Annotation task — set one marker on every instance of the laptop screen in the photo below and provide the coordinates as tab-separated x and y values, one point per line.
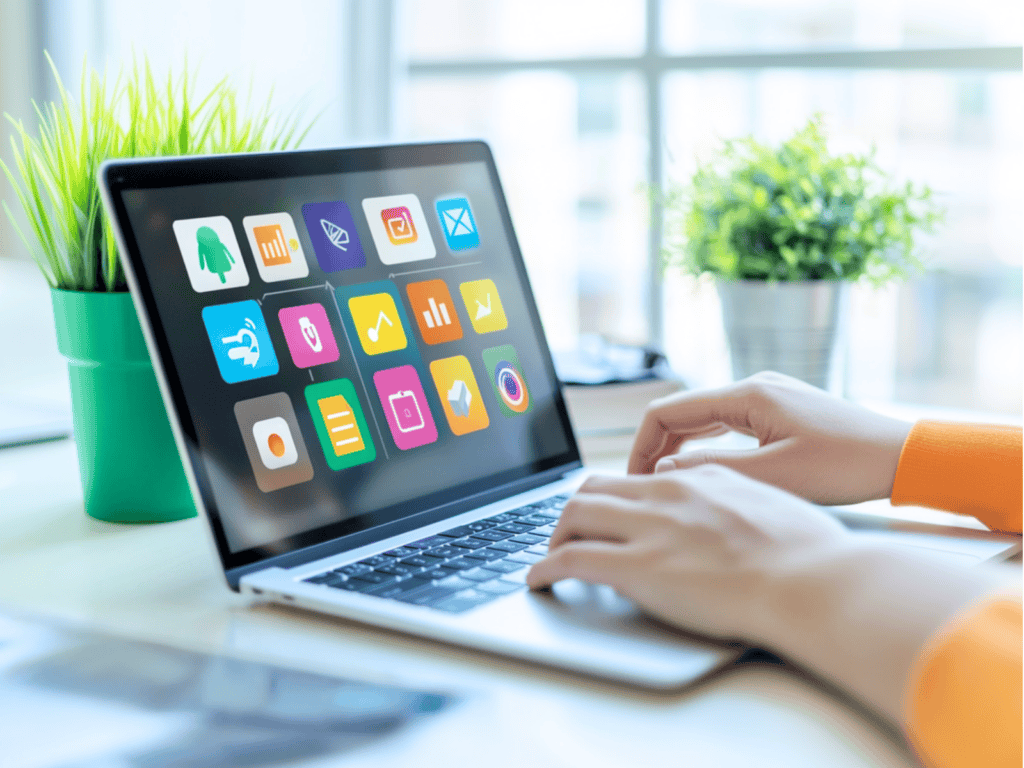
349	336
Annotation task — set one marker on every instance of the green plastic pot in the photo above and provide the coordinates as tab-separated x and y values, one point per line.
131	471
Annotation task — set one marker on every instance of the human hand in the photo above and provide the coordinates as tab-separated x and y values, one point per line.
823	448
709	550
697	548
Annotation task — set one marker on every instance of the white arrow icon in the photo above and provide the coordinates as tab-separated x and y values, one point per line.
481	310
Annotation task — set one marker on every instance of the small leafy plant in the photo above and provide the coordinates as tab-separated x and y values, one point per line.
54	174
796	212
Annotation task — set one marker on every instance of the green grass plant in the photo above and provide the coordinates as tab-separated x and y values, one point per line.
796	212
54	172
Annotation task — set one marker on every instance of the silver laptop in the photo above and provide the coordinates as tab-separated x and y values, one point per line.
363	398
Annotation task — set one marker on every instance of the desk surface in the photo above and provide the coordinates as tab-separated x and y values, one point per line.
163	582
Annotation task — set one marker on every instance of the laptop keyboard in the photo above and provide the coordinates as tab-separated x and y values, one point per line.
460	568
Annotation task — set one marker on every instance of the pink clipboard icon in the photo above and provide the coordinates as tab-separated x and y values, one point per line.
406	410
405	407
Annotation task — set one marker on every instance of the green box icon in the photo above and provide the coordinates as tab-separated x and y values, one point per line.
340	424
507	379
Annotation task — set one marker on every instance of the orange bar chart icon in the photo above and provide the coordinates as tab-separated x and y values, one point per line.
272	244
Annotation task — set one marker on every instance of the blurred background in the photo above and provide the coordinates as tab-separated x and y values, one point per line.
587	102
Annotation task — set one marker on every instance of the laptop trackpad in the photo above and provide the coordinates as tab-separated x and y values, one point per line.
593	601
592	628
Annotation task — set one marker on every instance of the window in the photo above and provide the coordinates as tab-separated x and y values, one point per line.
588	102
573	117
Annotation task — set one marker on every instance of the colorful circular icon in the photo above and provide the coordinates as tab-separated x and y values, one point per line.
511	386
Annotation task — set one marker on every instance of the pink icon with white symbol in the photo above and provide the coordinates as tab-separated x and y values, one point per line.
405	407
308	333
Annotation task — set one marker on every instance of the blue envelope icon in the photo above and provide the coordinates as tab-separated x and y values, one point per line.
458	223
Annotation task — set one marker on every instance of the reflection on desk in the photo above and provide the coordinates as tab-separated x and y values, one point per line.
73	699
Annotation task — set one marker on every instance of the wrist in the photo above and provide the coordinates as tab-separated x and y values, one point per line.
859	614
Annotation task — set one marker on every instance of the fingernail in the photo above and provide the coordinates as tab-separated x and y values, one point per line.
664	465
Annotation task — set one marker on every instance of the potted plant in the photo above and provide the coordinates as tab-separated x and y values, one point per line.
130	468
783	230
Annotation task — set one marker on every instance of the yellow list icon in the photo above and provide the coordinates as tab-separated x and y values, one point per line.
340	420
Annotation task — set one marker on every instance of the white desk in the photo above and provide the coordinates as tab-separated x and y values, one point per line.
163	583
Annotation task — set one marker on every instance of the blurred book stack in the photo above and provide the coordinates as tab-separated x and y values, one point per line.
607	388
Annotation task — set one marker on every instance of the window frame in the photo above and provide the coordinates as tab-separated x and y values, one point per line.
652	65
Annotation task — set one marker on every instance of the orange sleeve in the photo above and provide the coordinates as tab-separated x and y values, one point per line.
972	469
963	708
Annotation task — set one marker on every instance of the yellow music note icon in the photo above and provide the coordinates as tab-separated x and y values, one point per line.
377	322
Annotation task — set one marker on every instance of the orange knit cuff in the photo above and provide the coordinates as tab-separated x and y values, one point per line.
963	707
972	469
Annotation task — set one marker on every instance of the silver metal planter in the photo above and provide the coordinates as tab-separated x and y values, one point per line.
792	328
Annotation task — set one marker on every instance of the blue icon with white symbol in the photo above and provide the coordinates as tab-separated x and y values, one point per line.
240	341
458	223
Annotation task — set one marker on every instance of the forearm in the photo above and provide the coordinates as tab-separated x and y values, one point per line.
840	613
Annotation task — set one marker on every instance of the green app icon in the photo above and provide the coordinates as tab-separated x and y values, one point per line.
340	424
507	380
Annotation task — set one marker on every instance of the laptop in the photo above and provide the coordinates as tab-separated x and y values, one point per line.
364	401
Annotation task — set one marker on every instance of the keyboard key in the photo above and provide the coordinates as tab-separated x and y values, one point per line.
430	542
503	566
480	525
544	530
374	560
397	569
469	543
428	595
551	508
506	546
435	575
464	601
528	538
504	517
491	535
459	532
539	549
422	561
516	527
374	578
354	570
499	587
495	554
553	505
479	574
455	582
538	518
445	553
460	564
394	589
481	554
524	557
350	585
401	552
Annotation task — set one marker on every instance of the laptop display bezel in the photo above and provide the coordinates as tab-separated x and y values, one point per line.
117	177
